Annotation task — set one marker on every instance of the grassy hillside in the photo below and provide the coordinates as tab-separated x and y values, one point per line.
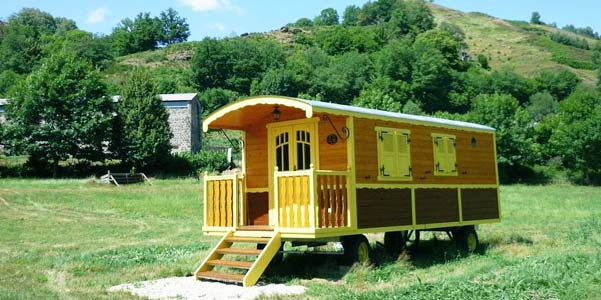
73	239
522	46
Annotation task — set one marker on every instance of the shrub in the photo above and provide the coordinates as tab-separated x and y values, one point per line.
192	164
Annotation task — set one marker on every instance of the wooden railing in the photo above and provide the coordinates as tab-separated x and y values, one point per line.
223	200
294	198
311	198
332	199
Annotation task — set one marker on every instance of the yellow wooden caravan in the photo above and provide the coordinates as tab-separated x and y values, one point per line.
313	171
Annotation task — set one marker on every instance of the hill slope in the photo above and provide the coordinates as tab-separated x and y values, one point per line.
524	47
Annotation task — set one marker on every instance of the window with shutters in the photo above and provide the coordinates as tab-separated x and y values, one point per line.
445	158
394	154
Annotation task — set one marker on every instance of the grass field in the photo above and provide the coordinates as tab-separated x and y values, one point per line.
72	239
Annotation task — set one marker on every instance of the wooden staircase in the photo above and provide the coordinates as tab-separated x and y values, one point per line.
229	245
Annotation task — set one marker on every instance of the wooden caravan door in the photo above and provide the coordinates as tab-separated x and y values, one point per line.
292	147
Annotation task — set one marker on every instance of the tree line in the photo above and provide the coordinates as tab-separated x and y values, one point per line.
386	54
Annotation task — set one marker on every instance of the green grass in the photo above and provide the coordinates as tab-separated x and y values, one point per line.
73	239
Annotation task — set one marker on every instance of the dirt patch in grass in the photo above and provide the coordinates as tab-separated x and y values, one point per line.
190	288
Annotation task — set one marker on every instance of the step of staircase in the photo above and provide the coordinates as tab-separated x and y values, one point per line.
242	239
231	263
259	258
238	251
220	276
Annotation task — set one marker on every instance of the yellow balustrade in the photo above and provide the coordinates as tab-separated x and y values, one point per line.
311	198
223	200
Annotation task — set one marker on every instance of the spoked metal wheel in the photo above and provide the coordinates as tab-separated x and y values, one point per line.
356	249
467	238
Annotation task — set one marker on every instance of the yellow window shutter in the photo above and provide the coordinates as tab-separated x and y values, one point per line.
388	164
403	154
451	157
439	154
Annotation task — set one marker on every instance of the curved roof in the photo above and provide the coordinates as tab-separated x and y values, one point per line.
311	106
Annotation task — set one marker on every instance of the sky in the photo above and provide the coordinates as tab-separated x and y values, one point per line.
220	18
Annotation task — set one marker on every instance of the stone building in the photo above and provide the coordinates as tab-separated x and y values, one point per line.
184	120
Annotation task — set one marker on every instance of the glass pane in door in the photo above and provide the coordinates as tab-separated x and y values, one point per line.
303	150
282	151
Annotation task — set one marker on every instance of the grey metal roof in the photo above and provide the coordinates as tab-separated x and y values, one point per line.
3	101
387	114
178	97
168	97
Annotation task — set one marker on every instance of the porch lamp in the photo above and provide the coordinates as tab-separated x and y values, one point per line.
276	113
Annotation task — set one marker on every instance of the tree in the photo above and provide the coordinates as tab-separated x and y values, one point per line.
214	98
64	25
175	29
374	12
577	135
559	84
276	82
61	110
95	49
541	105
22	39
303	22
507	81
483	61
412	108
431	79
234	64
327	17
145	136
444	42
8	79
350	17
395	60
141	34
377	99
535	18
340	40
515	147
411	17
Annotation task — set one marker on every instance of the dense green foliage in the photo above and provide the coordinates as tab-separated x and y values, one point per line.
61	110
385	54
142	128
587	31
327	17
568	40
577	137
21	46
146	32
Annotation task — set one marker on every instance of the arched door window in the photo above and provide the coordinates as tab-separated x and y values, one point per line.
303	150
282	151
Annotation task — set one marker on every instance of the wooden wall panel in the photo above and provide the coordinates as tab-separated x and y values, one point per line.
383	207
332	157
436	206
479	204
474	165
256	156
257	208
